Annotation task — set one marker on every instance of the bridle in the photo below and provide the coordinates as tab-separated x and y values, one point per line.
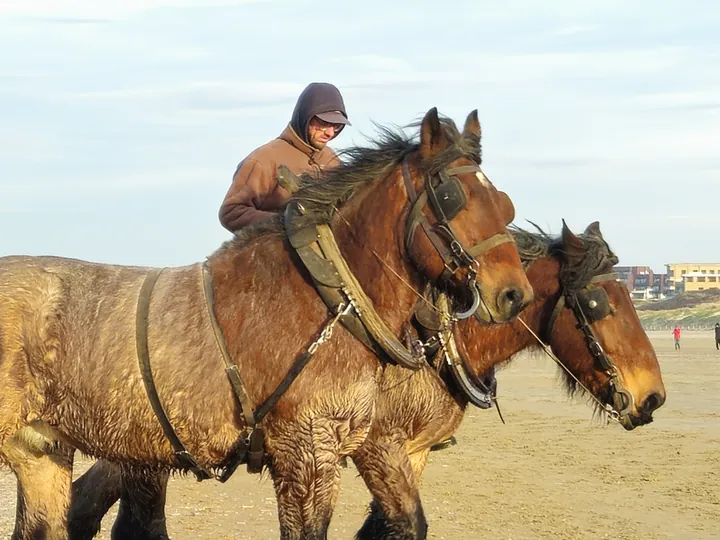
590	304
446	196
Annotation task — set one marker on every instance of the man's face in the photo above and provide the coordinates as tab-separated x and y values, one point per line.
320	132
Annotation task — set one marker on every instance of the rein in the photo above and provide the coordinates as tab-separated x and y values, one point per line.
598	307
439	326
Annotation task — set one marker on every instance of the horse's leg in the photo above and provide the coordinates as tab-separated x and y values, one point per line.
141	515
44	476
93	494
305	467
396	510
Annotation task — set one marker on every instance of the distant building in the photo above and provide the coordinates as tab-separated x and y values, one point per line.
642	282
685	277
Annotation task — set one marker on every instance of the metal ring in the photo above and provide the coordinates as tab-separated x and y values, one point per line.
476	303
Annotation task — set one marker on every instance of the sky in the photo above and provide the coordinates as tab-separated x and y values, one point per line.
121	123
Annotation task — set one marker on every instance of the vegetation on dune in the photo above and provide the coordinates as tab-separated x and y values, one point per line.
692	310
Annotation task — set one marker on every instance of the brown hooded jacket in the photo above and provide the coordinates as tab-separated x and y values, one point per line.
255	193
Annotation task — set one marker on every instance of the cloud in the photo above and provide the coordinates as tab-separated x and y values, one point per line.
699	100
69	10
240	90
166	98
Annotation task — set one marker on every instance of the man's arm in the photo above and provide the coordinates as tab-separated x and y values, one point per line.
250	187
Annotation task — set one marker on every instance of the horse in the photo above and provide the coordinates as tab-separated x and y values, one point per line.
418	411
301	312
581	310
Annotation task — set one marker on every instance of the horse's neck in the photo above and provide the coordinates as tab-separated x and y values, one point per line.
369	233
492	345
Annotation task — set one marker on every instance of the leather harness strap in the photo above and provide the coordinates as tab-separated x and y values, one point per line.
231	369
141	334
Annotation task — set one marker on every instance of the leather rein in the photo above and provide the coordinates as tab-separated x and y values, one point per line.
443	335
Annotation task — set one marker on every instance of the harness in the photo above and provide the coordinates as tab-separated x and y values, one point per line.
342	293
591	304
447	199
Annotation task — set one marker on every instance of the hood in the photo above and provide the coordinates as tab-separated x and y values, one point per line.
317	98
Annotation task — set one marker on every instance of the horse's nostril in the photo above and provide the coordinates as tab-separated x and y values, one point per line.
515	300
653	402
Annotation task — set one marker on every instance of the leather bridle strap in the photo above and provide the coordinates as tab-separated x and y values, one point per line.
492	242
441	235
611	276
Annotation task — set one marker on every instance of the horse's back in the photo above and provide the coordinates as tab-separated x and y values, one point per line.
69	328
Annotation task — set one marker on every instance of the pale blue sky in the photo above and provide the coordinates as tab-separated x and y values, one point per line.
121	123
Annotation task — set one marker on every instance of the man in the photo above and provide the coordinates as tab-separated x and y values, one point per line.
319	116
717	335
676	336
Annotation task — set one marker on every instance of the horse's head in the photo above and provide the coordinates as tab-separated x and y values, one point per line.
594	330
456	229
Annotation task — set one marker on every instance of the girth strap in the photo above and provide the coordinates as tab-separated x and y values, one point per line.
231	369
141	334
252	446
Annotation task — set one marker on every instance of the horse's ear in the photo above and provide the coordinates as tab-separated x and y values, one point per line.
433	137
472	126
507	208
573	247
593	229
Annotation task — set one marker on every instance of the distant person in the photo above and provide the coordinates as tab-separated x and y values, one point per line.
676	336
717	335
319	116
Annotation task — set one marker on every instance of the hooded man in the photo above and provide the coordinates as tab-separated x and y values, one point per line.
255	194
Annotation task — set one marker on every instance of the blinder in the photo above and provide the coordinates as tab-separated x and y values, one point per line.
447	199
594	302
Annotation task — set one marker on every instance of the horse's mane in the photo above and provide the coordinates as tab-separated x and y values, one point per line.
321	194
598	257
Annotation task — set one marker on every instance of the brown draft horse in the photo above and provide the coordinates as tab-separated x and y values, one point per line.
578	304
417	410
69	351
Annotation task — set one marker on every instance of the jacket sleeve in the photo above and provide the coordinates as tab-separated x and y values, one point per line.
251	185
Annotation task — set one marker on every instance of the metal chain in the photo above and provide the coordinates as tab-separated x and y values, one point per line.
327	331
611	412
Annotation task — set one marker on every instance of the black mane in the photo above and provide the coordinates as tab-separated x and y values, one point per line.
598	258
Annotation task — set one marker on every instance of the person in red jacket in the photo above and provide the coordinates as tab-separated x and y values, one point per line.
676	336
318	118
